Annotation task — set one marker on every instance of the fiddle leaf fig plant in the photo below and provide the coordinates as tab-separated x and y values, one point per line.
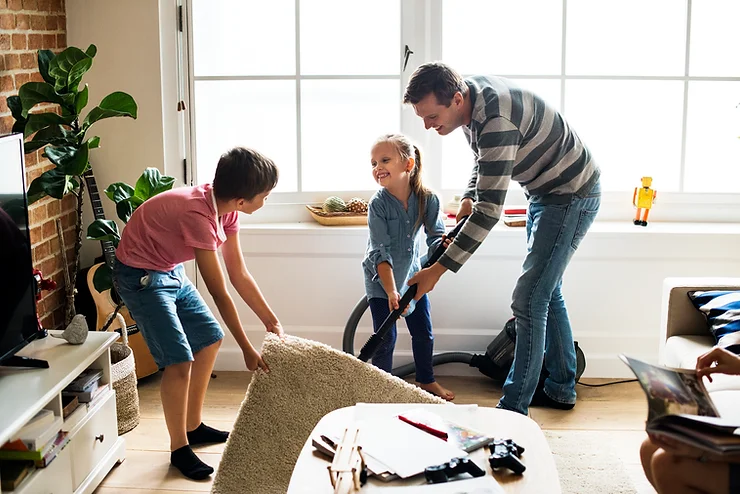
60	128
126	199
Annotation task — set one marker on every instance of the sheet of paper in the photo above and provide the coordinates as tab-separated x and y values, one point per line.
480	485
406	450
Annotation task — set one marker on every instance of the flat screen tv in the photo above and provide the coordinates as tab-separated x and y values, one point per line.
18	321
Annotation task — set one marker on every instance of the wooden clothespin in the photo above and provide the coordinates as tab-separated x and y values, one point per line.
347	471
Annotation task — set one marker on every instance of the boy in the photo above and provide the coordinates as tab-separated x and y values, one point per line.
183	336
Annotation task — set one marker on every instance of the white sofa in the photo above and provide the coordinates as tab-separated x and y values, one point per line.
685	336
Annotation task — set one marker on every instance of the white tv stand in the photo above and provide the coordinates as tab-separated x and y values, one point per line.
94	446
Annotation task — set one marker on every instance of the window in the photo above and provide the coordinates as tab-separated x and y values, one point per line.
651	86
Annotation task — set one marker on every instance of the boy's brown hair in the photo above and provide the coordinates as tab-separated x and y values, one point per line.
242	173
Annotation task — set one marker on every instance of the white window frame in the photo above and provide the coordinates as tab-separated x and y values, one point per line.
421	23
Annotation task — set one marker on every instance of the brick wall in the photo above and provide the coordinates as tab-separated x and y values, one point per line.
25	27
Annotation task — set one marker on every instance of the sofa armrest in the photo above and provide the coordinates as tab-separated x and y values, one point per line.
678	315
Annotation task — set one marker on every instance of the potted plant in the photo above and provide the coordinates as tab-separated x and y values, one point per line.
63	132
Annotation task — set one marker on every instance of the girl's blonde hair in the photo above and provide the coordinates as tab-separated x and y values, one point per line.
406	149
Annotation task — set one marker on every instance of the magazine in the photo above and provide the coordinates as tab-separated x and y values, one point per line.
680	408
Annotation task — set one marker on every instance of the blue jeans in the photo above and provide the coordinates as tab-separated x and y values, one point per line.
419	323
554	232
173	318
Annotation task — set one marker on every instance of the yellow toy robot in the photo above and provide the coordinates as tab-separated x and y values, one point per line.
643	199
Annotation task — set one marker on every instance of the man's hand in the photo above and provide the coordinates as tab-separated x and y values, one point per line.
426	279
276	328
254	360
717	360
465	209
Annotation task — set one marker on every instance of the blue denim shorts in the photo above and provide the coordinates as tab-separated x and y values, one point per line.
172	316
734	477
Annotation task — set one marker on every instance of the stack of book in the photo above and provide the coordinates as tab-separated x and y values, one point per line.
515	217
36	444
85	387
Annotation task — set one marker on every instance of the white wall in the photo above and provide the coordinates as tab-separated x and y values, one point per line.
312	278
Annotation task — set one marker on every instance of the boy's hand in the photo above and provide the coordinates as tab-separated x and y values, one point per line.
717	360
276	328
253	359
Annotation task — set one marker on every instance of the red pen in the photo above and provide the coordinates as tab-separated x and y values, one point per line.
431	430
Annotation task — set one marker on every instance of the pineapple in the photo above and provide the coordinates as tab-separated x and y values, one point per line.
357	206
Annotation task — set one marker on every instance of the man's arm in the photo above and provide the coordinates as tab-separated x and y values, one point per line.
246	286
498	144
213	276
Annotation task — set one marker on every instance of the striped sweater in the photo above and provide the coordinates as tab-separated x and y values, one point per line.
516	136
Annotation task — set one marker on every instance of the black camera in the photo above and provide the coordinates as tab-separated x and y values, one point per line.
505	453
443	473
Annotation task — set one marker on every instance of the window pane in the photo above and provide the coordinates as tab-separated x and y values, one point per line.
340	122
255	114
632	128
626	37
713	137
457	158
715	38
502	36
237	37
362	38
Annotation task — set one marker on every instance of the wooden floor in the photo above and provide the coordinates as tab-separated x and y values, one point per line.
618	409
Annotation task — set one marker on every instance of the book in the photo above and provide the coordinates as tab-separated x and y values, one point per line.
12	473
680	408
456	434
43	417
34	439
85	380
53	450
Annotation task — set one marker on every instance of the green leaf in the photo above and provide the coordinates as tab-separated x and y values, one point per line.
52	183
104	230
45	57
103	278
19	126
38	121
119	191
16	107
69	159
151	183
91	51
93	142
54	134
33	93
77	72
81	100
116	104
62	68
125	209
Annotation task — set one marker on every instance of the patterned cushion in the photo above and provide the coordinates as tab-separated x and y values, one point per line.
722	310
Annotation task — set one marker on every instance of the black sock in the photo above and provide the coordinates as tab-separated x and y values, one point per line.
204	434
540	399
189	464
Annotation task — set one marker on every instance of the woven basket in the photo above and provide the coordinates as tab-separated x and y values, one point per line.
336	219
123	378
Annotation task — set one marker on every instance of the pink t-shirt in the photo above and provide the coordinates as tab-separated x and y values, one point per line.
164	231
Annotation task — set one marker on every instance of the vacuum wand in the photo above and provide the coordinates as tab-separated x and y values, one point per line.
373	343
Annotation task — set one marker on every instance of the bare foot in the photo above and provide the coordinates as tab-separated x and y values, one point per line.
436	389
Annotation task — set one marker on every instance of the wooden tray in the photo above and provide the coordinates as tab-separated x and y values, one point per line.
336	219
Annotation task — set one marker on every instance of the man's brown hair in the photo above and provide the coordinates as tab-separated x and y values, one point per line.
437	78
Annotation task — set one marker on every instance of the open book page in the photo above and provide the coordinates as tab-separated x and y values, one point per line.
710	434
671	391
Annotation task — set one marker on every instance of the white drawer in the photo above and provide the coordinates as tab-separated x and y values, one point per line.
94	439
54	479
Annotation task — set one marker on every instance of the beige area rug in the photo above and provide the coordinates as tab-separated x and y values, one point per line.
281	409
586	463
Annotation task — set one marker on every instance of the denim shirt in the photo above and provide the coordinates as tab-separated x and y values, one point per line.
393	239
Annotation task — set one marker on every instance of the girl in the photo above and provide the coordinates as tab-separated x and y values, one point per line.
395	216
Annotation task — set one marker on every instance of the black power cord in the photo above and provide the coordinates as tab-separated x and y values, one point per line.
607	384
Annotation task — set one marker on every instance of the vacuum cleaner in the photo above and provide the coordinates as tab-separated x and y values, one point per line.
495	363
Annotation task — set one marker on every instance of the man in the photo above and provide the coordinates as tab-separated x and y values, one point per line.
515	135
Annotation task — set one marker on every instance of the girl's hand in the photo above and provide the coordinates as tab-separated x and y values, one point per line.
717	360
253	359
394	298
446	241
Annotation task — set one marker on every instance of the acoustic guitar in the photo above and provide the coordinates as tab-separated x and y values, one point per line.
107	301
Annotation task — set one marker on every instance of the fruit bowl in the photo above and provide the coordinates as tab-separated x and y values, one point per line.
336	219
